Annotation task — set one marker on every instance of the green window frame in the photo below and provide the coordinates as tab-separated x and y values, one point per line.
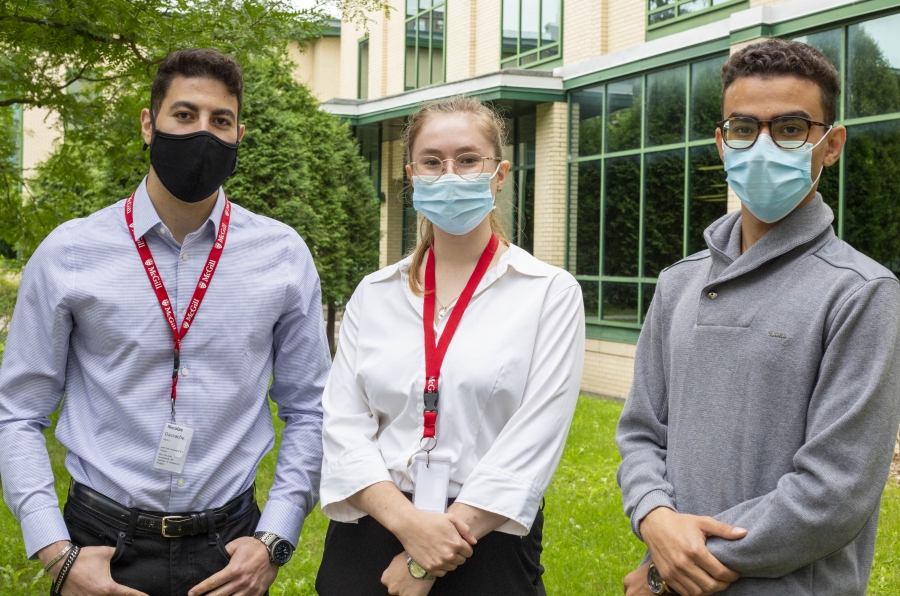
425	62
362	70
862	188
662	13
602	162
520	46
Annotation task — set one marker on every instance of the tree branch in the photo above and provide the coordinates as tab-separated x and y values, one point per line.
19	100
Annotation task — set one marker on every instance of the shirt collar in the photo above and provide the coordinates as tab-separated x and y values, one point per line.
146	217
800	227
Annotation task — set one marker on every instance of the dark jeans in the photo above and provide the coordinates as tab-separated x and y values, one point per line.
501	564
152	563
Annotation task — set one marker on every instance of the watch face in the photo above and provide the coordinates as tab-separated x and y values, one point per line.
417	570
654	580
282	551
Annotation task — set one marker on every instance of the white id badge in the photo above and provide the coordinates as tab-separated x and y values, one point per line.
432	485
173	447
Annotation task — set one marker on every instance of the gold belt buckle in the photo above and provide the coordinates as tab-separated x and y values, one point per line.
167	518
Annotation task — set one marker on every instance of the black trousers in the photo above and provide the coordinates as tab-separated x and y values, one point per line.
501	564
152	563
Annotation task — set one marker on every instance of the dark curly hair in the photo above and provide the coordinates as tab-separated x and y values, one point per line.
199	62
783	57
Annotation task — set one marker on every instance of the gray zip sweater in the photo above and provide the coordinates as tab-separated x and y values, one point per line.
766	394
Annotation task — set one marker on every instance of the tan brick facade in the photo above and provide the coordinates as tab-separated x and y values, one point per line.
608	368
628	23
550	183
585	30
391	247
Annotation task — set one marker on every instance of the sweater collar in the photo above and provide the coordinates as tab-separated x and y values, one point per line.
800	227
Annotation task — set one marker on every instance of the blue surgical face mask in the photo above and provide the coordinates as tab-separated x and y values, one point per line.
454	204
771	181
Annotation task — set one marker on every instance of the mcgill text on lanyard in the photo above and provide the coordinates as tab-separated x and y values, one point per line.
432	478
176	438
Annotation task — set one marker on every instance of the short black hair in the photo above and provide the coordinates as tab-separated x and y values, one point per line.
197	62
784	57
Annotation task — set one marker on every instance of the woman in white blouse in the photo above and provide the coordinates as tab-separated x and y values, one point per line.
499	406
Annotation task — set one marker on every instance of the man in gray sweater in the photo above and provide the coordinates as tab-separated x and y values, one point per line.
759	430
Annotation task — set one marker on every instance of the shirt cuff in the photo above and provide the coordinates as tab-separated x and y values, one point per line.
652	500
502	493
282	518
41	528
346	477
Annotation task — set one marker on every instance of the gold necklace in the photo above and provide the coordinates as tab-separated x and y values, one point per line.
443	309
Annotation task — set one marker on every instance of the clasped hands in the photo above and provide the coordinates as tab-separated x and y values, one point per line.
677	544
438	542
249	573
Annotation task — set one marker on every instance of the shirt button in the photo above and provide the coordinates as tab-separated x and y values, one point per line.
184	257
713	295
184	371
181	482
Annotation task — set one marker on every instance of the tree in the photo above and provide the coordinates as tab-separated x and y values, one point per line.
300	165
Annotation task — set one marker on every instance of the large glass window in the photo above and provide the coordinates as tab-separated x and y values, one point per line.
864	186
362	83
645	180
531	32
424	43
663	12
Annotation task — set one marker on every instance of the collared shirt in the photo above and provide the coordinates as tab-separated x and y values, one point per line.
88	325
508	389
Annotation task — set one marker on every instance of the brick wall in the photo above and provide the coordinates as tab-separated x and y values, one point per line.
608	368
487	36
627	24
585	30
461	39
350	36
550	183
318	66
391	246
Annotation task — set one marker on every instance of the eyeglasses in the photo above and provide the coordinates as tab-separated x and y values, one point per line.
788	132
468	166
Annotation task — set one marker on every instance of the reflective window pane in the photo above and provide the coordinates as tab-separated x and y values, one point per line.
585	187
666	106
363	73
531	17
829	188
827	42
410	81
510	28
622	216
873	75
663	210
872	211
549	21
623	115
647	291
525	137
412	7
437	46
525	212
590	293
706	94
422	62
587	111
708	198
620	302
692	6
663	15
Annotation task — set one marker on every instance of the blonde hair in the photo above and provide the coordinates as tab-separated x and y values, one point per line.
492	126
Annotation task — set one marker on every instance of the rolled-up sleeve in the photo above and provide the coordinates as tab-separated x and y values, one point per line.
514	474
352	458
32	382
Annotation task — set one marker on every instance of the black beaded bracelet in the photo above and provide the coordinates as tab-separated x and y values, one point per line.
64	571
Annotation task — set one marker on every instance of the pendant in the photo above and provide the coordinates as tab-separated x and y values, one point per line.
441	313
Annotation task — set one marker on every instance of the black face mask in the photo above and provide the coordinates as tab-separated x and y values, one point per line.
192	166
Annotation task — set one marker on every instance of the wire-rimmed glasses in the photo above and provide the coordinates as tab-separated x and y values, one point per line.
467	166
788	132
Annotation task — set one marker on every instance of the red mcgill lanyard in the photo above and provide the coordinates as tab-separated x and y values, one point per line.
434	354
215	254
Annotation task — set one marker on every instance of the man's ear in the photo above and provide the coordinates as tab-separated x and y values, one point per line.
834	145
409	174
719	141
146	126
240	133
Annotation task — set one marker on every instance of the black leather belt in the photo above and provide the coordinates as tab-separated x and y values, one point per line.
169	525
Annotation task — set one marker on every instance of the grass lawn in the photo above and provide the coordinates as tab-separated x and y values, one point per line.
588	546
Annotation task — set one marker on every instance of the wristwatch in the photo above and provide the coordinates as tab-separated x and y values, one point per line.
656	583
416	570
280	550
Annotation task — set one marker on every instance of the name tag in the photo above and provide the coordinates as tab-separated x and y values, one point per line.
432	485
173	447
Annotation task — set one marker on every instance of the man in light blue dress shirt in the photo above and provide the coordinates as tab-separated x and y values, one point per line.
89	326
